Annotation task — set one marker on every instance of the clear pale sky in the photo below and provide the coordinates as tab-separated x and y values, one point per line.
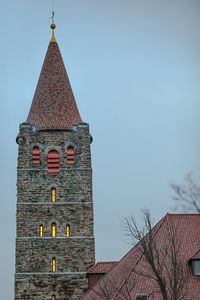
134	66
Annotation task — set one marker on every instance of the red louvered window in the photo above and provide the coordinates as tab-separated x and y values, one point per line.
36	155
53	161
70	155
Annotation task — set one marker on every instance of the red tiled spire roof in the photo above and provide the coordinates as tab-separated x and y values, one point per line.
53	105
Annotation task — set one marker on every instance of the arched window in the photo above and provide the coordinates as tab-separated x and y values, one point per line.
53	161
53	297
53	229
53	194
41	230
53	265
68	230
36	155
70	155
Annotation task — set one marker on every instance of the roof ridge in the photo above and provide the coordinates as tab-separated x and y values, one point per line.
183	214
106	262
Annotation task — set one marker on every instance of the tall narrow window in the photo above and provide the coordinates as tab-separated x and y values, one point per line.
70	155
53	265
36	155
53	297
53	229
53	161
41	230
53	194
68	231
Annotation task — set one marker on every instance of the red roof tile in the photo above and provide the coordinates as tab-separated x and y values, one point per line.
196	255
54	105
102	267
125	273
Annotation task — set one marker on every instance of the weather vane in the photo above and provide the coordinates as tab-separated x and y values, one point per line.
52	18
53	13
53	25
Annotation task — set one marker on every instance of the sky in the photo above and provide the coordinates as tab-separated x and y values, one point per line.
134	66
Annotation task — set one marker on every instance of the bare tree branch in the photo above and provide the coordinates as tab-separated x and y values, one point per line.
158	260
161	262
187	195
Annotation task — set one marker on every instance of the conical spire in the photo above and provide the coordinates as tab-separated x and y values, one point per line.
53	105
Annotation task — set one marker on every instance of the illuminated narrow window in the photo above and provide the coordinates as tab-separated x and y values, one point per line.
53	265
36	155
53	229
68	233
53	194
70	155
53	297
53	161
41	230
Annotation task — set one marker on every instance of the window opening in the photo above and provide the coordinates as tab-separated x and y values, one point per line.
196	267
53	194
53	264
68	233
70	155
53	229
36	155
53	161
41	230
53	297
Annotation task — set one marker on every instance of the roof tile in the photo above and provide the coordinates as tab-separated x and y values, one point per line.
102	267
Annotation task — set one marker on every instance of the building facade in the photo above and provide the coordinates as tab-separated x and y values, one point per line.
54	238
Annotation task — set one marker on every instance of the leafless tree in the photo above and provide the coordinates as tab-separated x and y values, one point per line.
159	260
160	257
187	195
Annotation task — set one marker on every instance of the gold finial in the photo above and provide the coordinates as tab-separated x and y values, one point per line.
53	27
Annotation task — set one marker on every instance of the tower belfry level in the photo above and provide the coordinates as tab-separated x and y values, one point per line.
54	241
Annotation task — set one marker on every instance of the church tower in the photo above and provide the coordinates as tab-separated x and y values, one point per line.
54	239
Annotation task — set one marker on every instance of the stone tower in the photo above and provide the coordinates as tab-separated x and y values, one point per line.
54	242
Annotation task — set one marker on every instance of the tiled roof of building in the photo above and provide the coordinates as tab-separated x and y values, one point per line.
196	255
101	267
53	105
126	274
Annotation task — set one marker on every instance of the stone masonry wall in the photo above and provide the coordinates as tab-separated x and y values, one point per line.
78	215
44	286
74	206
